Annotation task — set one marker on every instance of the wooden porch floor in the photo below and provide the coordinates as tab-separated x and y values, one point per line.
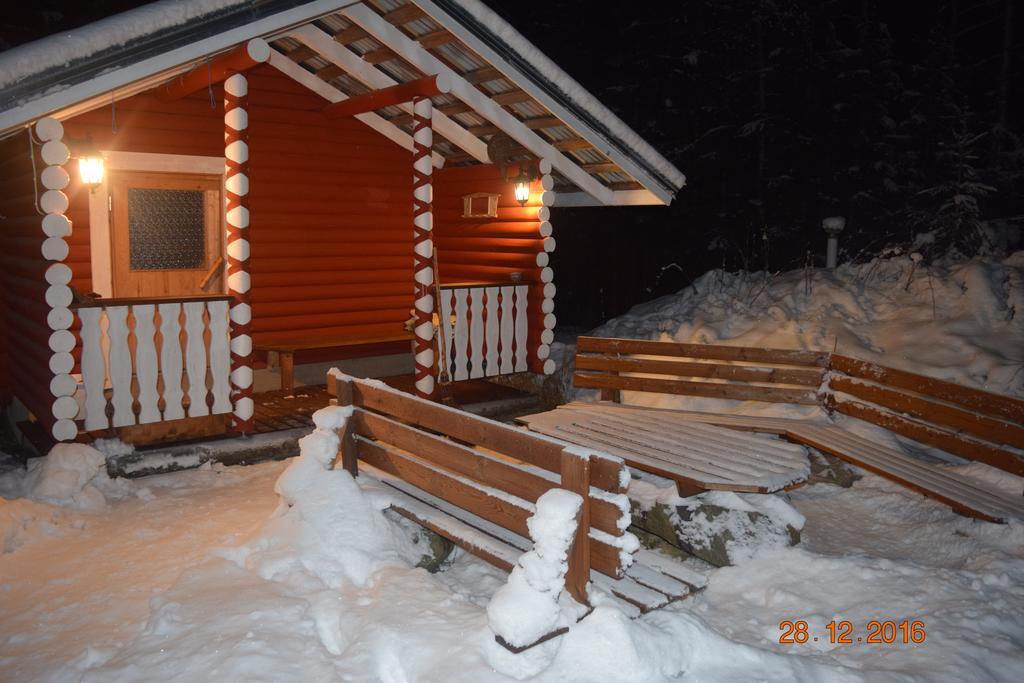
280	409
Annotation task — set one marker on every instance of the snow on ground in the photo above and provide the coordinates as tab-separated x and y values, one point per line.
200	574
288	571
961	322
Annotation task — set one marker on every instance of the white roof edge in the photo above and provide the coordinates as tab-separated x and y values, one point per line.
60	49
570	88
115	79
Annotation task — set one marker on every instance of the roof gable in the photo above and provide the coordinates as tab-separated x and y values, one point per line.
503	84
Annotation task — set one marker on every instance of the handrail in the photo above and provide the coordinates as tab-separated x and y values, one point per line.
138	301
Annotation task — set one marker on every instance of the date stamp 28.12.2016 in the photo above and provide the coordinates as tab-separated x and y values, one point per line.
842	632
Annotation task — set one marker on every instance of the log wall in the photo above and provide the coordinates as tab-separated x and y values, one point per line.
331	223
474	249
24	332
331	204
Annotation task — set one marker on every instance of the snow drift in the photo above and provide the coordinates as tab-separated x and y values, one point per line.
961	322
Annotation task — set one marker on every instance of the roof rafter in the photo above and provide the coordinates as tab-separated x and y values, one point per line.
332	94
415	54
491	53
375	78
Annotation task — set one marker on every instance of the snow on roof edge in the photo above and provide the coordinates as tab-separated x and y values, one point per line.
61	49
571	89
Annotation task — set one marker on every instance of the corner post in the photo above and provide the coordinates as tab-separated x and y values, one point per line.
236	189
423	246
575	471
57	227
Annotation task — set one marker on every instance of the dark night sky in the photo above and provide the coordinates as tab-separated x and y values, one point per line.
780	112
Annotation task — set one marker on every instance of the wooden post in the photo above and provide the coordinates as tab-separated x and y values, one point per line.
428	86
544	321
423	247
236	187
341	387
57	227
576	478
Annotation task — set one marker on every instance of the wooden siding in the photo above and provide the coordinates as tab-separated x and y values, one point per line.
471	249
24	333
331	230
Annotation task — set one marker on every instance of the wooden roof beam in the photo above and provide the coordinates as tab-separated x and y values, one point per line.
414	53
482	75
374	78
332	94
242	58
602	167
435	39
431	86
511	97
378	56
301	54
449	109
572	144
350	35
404	14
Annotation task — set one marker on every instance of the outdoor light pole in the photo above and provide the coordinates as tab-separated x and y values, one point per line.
833	225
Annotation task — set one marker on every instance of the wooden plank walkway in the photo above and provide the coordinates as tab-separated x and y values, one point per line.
934	481
696	456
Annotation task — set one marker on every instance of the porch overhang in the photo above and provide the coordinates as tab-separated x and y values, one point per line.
507	103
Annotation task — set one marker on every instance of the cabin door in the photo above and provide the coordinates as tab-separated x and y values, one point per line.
166	234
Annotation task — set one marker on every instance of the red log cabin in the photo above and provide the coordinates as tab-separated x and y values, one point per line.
191	208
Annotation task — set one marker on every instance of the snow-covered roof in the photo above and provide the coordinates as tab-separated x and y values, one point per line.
504	84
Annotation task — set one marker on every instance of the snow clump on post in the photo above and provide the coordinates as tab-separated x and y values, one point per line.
527	608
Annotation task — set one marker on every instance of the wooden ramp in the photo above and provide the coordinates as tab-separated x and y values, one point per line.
934	481
695	455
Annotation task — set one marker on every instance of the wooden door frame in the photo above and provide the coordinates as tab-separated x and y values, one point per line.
99	206
213	233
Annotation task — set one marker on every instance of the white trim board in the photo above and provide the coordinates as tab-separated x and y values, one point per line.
99	214
97	91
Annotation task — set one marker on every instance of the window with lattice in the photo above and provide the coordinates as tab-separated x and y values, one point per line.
166	229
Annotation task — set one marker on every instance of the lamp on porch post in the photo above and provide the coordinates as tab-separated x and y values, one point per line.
236	191
423	223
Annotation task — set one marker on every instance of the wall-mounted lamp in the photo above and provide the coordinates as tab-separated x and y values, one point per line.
522	190
90	163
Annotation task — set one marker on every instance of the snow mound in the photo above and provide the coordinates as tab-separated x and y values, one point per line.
324	523
74	475
526	608
961	322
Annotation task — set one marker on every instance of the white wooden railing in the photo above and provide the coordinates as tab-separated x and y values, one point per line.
153	360
485	327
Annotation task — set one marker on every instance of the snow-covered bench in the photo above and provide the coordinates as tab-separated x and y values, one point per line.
967	422
475	481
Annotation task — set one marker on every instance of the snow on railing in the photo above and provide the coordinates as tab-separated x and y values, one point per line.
154	360
485	329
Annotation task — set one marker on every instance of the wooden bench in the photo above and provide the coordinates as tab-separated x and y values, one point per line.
963	421
475	481
287	348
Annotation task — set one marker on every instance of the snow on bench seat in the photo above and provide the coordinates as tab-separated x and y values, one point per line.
645	587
